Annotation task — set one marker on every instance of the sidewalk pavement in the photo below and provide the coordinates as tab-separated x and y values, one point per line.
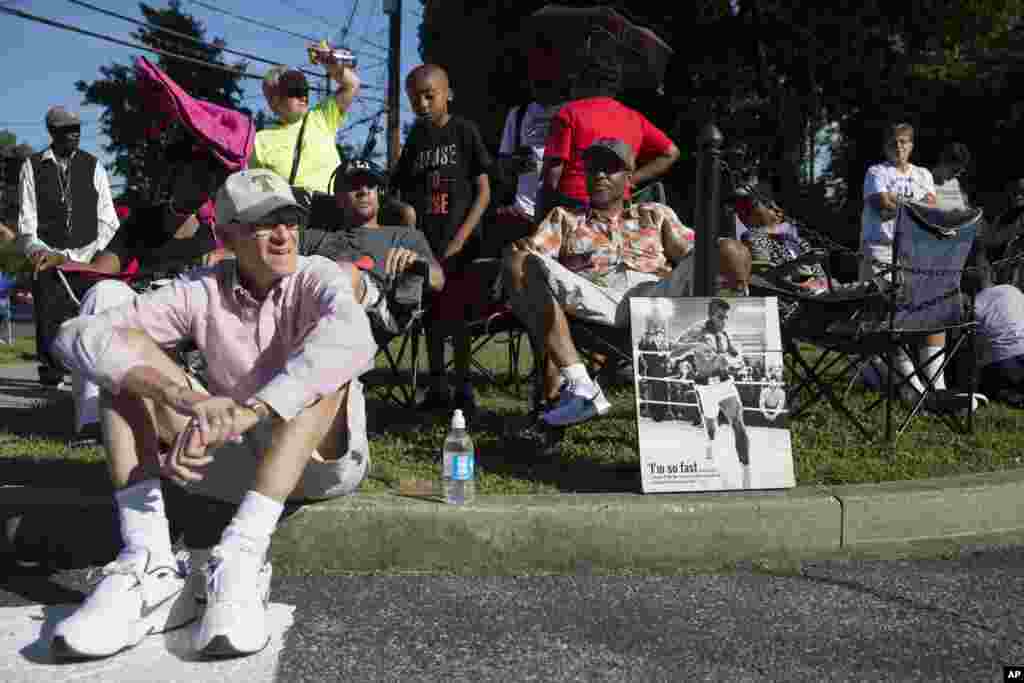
593	532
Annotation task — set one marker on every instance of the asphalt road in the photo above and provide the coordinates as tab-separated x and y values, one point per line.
913	620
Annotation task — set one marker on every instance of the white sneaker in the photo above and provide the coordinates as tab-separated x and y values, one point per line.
137	596
237	592
579	402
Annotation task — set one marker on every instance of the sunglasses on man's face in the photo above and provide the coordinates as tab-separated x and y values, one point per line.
264	231
610	166
66	130
357	182
300	93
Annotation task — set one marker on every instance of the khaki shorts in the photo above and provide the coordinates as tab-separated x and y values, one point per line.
233	469
609	305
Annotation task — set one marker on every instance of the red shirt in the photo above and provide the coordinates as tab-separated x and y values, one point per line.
578	124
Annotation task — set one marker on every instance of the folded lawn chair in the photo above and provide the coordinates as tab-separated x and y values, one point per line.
831	335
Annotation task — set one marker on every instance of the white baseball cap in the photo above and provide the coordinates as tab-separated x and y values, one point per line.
250	195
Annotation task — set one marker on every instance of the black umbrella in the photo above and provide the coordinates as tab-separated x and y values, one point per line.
580	30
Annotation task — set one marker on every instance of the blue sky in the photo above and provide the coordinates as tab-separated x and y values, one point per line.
41	63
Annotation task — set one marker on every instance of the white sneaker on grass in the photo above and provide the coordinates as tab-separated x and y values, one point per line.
237	592
578	402
136	596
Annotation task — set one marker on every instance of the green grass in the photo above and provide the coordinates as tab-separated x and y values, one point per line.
22	350
597	456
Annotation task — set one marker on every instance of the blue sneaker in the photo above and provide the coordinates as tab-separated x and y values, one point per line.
578	402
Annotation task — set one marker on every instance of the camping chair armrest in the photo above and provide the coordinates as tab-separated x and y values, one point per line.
420	267
812	257
651	192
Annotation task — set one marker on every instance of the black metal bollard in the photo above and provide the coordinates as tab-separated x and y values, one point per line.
707	209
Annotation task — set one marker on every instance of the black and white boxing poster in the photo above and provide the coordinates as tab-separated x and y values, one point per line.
711	398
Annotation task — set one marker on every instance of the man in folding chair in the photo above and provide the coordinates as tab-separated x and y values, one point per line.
390	285
587	264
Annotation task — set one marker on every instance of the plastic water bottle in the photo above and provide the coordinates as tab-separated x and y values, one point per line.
458	469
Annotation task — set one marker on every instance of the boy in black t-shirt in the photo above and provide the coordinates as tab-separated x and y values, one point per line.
443	173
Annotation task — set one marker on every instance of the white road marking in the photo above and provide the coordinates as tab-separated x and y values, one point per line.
25	653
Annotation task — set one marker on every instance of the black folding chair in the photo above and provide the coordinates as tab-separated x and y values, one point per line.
392	378
830	337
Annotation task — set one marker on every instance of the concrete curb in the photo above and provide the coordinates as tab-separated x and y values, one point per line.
509	534
606	532
897	512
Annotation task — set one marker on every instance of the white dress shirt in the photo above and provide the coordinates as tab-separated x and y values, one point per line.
28	218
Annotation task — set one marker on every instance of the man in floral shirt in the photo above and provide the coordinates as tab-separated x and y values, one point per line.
587	264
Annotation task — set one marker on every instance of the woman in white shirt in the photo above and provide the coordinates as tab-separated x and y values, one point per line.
886	185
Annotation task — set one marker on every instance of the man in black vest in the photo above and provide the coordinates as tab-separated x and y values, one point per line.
66	214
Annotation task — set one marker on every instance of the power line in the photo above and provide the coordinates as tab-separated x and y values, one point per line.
137	46
214	8
363	121
184	36
373	44
348	26
125	43
40	122
305	12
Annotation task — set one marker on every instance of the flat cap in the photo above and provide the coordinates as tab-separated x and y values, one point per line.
59	117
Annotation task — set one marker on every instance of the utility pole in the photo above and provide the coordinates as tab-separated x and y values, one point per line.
393	8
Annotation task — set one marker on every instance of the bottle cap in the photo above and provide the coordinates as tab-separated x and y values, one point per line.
458	420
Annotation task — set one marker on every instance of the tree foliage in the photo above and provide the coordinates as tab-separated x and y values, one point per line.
771	73
136	154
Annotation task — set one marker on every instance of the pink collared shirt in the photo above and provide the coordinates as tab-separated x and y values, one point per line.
307	339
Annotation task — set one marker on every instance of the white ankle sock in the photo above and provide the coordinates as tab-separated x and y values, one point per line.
931	368
904	368
144	523
577	372
253	524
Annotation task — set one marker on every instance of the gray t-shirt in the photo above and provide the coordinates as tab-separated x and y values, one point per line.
999	311
354	243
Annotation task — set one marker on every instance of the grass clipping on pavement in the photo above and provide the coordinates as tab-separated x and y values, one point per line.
598	456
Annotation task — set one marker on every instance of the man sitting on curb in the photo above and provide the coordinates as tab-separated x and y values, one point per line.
285	343
394	250
587	263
